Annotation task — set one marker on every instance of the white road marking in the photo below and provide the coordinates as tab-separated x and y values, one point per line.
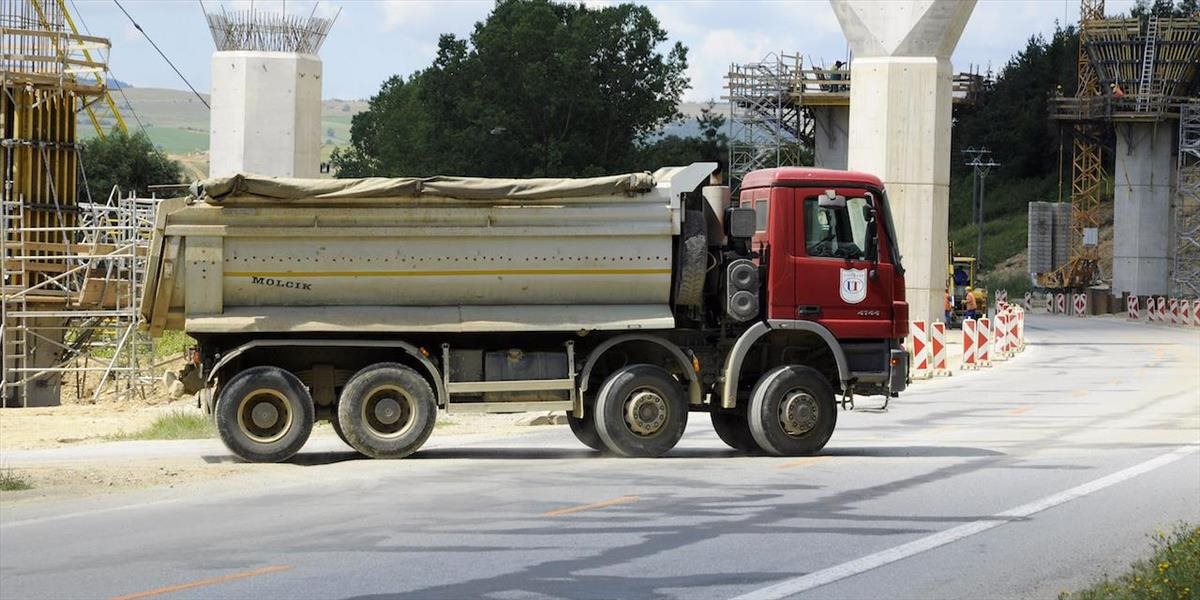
815	579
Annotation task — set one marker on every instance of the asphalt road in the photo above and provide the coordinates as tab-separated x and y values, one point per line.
1021	481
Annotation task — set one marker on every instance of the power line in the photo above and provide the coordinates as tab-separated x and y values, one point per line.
120	88
160	53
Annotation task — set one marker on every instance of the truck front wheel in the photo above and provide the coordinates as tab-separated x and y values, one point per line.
387	410
264	414
640	411
792	411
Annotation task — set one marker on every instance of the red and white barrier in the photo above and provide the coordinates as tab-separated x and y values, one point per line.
937	344
983	342
1173	310
970	343
1060	303
1186	312
999	337
1161	309
1028	301
918	346
1001	296
1196	313
1133	311
1021	331
1080	305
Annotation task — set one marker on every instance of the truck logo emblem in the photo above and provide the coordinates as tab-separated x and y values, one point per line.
853	286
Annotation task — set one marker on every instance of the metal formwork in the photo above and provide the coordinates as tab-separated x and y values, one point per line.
768	125
1185	272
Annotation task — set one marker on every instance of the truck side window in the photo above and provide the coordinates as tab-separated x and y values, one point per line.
836	232
762	209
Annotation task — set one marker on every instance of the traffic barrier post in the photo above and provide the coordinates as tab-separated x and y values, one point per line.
998	336
1173	310
1080	305
1060	303
1185	312
970	343
983	342
1196	313
1028	301
1131	307
918	345
1161	309
937	344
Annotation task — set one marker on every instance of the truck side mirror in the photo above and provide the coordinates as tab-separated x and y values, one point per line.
740	223
830	199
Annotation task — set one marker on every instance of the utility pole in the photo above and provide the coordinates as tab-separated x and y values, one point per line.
980	159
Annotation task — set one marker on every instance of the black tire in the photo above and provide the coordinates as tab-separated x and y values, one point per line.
811	419
665	415
733	429
387	410
585	431
264	414
691	260
337	427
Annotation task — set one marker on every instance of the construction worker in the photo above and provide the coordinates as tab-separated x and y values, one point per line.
970	303
1116	90
949	305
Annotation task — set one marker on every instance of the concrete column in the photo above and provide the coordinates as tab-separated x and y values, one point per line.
266	114
831	136
1142	208
900	109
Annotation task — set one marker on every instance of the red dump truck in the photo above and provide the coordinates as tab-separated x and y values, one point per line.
627	302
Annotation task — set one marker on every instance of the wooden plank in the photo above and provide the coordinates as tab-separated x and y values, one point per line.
165	288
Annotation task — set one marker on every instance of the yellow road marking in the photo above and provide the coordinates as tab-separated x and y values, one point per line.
449	273
1017	411
602	504
800	462
204	582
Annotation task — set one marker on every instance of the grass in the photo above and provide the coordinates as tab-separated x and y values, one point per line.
11	481
1172	573
176	425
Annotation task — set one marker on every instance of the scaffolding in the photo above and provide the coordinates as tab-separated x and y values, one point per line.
1185	272
70	268
768	125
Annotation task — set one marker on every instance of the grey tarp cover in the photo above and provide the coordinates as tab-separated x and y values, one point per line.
219	190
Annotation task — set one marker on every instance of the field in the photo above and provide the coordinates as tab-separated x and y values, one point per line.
177	122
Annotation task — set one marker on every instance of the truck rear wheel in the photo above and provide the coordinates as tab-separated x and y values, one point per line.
387	410
264	414
733	429
640	411
585	431
792	411
337	427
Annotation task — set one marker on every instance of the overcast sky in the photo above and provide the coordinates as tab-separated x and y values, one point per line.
374	40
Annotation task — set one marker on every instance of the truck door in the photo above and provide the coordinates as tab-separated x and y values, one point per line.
837	283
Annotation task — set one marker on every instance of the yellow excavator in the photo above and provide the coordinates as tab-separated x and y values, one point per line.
960	277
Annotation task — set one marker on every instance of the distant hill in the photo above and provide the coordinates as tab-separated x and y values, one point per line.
177	121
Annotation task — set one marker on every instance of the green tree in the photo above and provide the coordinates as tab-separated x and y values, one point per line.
127	161
1165	8
540	89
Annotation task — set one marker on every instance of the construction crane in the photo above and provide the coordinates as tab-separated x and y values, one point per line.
1087	172
106	98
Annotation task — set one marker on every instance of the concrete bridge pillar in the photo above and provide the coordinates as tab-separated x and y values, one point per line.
831	136
1142	208
900	109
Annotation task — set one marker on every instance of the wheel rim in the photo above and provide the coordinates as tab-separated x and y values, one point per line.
645	412
798	413
264	415
389	411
